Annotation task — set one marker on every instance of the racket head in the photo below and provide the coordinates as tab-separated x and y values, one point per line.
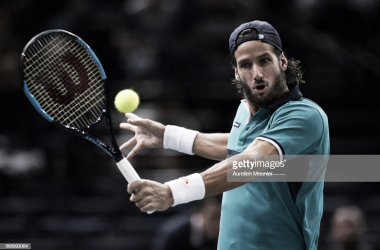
66	83
64	80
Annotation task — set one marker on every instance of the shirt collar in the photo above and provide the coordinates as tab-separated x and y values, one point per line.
246	105
293	95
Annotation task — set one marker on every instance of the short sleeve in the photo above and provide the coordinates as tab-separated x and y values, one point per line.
296	129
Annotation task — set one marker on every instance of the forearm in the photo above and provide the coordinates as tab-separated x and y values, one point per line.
153	196
151	134
211	146
215	179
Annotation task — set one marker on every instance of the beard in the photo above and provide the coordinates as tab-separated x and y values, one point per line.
272	93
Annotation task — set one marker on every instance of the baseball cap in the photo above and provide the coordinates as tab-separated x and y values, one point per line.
266	33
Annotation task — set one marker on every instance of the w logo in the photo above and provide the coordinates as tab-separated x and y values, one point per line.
56	76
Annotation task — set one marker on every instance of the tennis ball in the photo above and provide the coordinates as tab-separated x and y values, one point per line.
127	101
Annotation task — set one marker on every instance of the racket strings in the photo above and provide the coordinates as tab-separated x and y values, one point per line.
72	72
43	69
65	81
36	50
80	117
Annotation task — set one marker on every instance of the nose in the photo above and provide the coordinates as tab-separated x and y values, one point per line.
257	74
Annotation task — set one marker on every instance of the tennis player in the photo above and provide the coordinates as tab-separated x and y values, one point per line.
273	119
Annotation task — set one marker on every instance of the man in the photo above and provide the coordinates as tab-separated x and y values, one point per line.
348	229
197	230
273	119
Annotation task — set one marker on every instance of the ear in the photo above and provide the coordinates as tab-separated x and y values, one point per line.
283	62
237	77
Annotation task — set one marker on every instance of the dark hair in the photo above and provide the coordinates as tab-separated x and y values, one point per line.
293	73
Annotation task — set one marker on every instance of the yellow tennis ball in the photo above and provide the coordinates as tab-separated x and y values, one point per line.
127	101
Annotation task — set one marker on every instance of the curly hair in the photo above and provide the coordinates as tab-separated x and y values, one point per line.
293	73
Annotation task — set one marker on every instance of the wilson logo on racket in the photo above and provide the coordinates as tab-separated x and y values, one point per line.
186	180
48	79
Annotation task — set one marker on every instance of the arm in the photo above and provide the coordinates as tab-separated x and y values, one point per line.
150	134
211	146
215	178
156	196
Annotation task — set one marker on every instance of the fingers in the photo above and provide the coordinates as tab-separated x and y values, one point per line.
135	150
128	126
139	122
150	195
138	190
149	206
128	144
135	185
132	116
134	120
146	204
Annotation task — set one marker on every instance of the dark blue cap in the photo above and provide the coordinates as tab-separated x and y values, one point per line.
266	33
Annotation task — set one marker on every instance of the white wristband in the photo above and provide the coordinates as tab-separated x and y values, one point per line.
180	139
186	189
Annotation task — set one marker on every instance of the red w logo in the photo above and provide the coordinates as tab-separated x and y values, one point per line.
57	70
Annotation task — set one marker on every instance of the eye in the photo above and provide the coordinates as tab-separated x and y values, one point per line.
264	61
245	65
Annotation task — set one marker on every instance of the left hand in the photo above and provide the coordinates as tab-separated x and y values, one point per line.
150	195
148	134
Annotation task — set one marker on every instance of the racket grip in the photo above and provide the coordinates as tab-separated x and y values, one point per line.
129	172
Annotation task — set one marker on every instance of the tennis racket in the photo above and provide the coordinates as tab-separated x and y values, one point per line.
66	84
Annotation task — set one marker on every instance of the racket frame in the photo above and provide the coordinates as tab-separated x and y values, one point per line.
113	151
122	163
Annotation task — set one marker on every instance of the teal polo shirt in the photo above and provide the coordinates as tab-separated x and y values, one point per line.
276	215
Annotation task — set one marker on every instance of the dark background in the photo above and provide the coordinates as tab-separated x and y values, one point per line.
59	191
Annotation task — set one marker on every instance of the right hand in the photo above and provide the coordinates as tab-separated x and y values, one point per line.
148	134
150	195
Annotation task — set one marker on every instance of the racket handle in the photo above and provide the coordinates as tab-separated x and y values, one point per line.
129	172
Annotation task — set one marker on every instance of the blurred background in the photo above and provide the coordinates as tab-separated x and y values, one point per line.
58	191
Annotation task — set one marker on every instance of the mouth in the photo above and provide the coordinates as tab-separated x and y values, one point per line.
260	88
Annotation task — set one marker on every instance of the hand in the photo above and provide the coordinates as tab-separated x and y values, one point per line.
148	134
150	195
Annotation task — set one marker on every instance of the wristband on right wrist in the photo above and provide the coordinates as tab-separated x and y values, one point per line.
187	189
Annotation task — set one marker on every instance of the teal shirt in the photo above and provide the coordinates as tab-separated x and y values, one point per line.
277	215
